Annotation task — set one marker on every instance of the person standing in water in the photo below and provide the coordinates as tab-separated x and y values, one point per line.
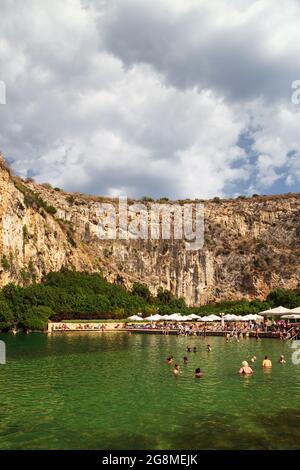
176	370
266	364
245	369
281	360
169	360
198	373
253	359
185	360
209	348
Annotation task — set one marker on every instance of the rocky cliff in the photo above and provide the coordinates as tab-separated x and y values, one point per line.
251	245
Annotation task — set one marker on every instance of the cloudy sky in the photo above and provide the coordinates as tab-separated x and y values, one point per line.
178	98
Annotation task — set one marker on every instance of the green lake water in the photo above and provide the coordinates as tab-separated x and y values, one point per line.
115	391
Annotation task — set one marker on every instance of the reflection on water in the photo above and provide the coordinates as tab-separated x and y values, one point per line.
115	390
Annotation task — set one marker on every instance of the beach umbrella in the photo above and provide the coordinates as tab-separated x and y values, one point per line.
206	319
154	317
240	318
214	317
193	316
252	316
135	318
229	317
295	310
183	318
294	316
166	317
278	311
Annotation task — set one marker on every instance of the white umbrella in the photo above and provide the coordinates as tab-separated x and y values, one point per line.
240	318
252	316
166	317
206	319
154	317
295	310
294	316
193	316
276	311
184	318
135	318
174	316
214	317
229	317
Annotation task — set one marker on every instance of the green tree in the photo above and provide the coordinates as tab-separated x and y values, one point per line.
6	316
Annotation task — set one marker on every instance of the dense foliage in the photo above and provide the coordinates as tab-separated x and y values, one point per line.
69	295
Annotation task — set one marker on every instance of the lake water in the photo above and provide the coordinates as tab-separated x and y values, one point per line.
115	391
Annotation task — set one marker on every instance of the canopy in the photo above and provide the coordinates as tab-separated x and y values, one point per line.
278	311
295	310
206	319
135	318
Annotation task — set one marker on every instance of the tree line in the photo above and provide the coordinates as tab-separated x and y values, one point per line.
68	294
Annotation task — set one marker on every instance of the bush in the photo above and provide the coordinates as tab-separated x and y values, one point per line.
5	263
36	318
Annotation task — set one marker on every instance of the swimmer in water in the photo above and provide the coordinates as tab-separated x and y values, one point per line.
185	360
198	373
188	349
209	349
253	359
266	364
281	360
176	370
245	369
194	349
169	360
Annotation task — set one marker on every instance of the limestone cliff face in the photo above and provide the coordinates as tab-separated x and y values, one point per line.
251	245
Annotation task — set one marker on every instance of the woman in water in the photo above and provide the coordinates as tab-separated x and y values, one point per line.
176	370
198	373
245	369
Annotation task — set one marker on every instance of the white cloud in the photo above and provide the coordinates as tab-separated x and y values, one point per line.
151	98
